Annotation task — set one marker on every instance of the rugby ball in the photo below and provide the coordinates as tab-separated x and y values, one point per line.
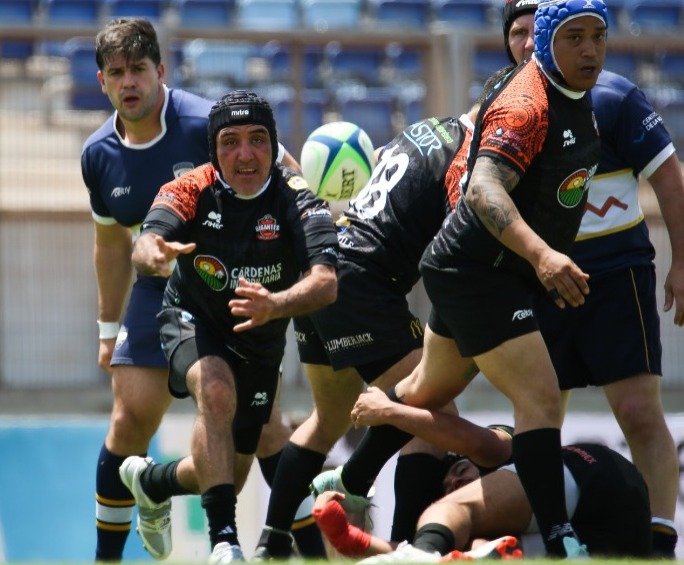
337	160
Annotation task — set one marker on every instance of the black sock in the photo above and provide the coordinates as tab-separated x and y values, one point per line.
417	484
434	537
664	541
298	466
376	447
306	534
219	504
539	463
114	507
268	466
160	481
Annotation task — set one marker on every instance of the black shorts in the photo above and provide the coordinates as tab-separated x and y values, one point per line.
613	336
138	341
185	340
480	308
369	324
613	516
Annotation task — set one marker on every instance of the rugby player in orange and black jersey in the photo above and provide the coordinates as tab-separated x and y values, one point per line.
270	239
552	144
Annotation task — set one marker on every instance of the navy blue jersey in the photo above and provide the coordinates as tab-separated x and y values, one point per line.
548	135
270	239
634	141
412	189
123	180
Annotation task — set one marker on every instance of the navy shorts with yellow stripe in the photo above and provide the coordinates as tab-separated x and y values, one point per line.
138	342
614	335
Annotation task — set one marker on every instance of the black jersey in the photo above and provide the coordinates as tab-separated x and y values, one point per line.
412	189
548	135
270	239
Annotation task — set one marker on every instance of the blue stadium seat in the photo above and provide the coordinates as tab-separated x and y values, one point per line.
372	110
621	62
18	13
655	16
402	13
314	106
65	13
408	63
267	14
150	9
211	68
205	13
85	92
488	61
362	64
72	12
322	15
470	13
671	64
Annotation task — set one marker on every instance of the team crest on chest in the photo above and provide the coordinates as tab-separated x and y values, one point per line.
211	271
267	228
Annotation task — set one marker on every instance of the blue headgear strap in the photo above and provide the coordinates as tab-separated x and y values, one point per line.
550	15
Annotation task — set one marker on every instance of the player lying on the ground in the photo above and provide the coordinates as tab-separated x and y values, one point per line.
606	496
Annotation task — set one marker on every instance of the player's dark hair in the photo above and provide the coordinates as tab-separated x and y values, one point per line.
241	107
132	38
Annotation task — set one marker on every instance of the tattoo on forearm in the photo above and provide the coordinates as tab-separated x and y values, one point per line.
488	195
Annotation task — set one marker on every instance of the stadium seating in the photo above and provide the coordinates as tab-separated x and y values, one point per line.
267	14
85	92
65	13
313	106
470	13
401	13
204	13
373	109
361	64
213	67
488	61
71	12
655	16
17	13
150	9
322	15
621	62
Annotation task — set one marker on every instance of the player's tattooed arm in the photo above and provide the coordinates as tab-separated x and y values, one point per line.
487	194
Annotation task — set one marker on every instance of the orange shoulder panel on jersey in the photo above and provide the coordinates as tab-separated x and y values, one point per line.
182	193
516	123
457	168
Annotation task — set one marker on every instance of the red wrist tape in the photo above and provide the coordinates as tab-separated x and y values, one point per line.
349	540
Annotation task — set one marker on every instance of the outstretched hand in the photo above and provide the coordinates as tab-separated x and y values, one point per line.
154	256
254	302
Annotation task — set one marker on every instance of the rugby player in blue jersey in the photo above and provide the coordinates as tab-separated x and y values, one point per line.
155	135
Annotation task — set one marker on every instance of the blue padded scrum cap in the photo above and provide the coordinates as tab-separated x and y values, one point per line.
550	15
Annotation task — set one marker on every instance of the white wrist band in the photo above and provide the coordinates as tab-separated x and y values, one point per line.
108	330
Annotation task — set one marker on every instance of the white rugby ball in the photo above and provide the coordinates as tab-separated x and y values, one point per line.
337	160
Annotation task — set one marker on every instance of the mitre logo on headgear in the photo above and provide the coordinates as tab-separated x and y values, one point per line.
241	113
